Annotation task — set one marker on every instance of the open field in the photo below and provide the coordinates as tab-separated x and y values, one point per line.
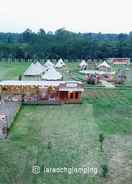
73	131
11	71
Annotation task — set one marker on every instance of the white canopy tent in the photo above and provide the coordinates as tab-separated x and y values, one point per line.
104	67
49	64
52	74
60	63
34	71
83	65
104	64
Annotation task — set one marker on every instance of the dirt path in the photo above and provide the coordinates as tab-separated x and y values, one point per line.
107	84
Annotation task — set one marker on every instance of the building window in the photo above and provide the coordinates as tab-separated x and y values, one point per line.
71	95
76	95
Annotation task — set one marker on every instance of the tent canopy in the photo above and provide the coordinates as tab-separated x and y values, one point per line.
52	74
60	63
83	63
35	69
49	64
104	64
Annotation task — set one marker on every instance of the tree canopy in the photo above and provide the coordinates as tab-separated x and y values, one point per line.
64	44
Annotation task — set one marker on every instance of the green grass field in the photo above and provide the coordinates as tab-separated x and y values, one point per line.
73	132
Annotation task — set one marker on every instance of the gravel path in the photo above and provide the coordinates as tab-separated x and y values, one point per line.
10	109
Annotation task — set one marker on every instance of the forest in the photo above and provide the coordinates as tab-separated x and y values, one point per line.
65	44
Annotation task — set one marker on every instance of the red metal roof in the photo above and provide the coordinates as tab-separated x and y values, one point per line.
120	61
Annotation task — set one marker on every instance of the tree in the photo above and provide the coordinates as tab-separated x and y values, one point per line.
104	170
49	145
27	35
65	44
20	78
42	32
101	140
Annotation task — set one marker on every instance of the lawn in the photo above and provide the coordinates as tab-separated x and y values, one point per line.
73	133
11	70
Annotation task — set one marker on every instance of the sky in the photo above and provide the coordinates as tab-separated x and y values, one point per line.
106	16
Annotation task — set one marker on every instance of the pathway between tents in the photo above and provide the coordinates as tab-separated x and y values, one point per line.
107	84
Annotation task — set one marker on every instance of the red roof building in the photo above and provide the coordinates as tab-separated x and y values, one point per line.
120	61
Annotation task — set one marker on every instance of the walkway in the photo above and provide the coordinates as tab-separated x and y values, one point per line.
107	84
